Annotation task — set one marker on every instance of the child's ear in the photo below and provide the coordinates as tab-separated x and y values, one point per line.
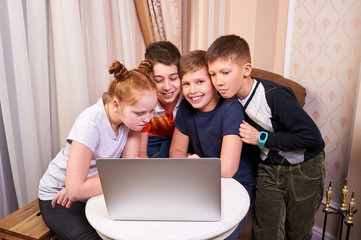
247	70
115	105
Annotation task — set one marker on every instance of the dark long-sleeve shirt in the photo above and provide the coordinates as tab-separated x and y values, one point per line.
293	136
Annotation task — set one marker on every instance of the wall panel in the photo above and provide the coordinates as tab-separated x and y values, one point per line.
204	21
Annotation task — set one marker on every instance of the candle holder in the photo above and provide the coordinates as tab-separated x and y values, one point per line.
346	214
351	211
343	207
328	195
344	196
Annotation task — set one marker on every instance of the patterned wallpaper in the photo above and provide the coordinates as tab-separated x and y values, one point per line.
325	58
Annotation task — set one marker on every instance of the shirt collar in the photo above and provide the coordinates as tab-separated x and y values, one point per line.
159	107
244	101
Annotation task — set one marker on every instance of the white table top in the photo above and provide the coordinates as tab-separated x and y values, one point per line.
235	205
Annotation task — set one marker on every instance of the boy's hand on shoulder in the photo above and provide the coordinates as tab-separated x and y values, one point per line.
248	133
192	155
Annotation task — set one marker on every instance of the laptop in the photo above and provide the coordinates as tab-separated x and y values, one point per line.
162	189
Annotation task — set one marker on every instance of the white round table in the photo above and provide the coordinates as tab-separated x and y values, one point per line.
235	205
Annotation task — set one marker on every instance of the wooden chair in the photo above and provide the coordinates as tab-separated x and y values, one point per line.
25	223
298	89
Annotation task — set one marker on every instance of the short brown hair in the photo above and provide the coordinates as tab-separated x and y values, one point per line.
163	52
192	61
229	47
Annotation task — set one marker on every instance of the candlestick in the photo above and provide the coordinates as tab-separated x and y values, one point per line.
352	207
329	195
344	196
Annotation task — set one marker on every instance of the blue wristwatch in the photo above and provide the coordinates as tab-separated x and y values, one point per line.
262	139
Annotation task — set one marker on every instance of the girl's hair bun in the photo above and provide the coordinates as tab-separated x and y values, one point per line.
119	70
145	67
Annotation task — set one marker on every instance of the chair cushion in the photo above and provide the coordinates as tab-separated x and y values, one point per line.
298	89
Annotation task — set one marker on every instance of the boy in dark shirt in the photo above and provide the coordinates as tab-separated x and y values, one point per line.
290	179
209	124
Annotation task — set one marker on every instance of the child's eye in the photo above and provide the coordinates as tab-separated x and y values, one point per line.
139	113
200	81
225	73
185	84
174	78
212	74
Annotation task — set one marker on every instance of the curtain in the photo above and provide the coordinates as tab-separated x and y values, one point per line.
144	20
24	94
172	15
156	19
54	59
160	20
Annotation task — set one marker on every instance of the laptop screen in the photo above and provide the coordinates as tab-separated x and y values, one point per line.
164	189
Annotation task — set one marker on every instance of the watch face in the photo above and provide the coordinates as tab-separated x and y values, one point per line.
262	136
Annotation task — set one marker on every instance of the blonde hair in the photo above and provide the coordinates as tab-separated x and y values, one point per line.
127	86
192	61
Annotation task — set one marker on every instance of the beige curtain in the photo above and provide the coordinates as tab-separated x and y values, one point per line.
54	59
144	20
172	16
157	21
160	20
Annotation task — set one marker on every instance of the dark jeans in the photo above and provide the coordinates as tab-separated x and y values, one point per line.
68	223
287	198
158	147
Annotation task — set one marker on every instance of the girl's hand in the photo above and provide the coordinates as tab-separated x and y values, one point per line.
62	199
192	156
248	133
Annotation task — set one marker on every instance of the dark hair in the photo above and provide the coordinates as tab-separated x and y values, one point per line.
192	62
127	83
229	47
163	52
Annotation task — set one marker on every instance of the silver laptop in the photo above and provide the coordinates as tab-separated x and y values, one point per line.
163	189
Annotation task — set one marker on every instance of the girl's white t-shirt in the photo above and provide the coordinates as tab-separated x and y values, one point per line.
92	129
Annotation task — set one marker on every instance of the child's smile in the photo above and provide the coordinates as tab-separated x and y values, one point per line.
199	91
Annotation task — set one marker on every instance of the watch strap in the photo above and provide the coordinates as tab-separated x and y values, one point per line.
262	139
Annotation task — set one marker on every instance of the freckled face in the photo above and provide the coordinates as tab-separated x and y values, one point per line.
137	116
168	83
198	90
